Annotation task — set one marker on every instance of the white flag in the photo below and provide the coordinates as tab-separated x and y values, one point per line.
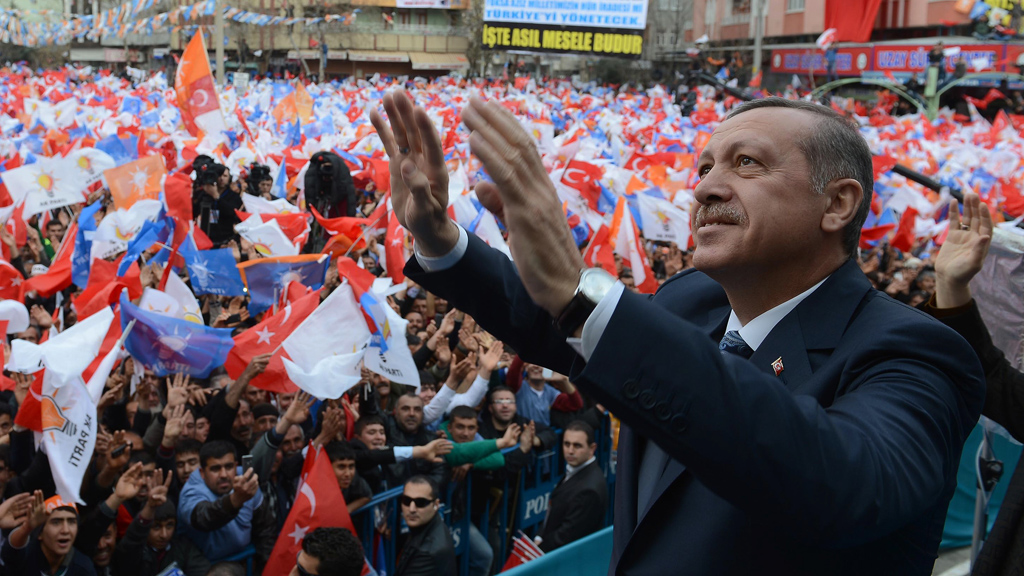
190	309
396	364
66	355
266	237
257	205
118	227
70	423
324	352
663	221
46	184
90	164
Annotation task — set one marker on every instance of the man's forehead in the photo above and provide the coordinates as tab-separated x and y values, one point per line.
417	490
769	127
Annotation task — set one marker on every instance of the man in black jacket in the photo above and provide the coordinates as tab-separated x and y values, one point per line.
579	502
405	428
429	549
960	259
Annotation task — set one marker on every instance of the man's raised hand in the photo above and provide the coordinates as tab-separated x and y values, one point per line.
419	176
523	196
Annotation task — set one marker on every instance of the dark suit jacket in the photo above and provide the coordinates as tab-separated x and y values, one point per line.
843	463
1003	552
576	508
429	551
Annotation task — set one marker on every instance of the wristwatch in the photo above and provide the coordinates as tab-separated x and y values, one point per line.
594	285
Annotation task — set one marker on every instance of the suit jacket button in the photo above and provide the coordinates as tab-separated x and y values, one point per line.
646	400
630	390
679	424
662	411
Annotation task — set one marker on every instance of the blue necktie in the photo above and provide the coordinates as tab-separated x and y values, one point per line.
654	460
733	343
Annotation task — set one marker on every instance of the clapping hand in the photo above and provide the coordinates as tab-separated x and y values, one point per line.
511	436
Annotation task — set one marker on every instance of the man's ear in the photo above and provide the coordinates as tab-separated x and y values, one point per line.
845	197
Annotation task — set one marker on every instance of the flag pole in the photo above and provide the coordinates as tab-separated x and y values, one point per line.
363	235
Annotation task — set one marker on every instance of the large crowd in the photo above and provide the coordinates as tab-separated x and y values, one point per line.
201	472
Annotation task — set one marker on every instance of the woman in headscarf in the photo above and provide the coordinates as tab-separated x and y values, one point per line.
329	189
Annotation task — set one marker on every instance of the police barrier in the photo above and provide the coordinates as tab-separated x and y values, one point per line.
380	525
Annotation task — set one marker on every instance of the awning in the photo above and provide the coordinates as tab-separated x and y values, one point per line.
315	54
437	61
377	56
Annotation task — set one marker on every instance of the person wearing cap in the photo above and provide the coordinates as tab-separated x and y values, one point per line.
52	551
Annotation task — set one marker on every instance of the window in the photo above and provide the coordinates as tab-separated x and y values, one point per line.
794	5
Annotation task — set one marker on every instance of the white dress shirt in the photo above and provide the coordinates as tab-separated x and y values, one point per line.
753	332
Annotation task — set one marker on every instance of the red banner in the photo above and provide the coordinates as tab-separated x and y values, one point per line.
849	61
852	19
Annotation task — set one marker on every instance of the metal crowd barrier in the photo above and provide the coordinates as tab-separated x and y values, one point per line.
526	507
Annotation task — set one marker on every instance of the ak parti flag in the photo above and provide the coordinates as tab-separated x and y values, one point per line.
196	92
134	181
266	337
318	503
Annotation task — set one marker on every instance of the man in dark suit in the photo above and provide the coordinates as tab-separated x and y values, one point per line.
781	416
578	503
429	550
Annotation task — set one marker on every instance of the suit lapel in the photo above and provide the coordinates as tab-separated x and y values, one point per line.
714	328
817	323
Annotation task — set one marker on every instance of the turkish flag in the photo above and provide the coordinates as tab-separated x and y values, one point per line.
584	177
600	251
868	235
318	503
105	287
394	249
10	281
903	240
30	413
197	95
266	337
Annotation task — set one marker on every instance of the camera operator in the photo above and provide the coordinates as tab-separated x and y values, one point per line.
330	190
260	182
214	202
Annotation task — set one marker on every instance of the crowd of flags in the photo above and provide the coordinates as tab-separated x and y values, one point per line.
622	163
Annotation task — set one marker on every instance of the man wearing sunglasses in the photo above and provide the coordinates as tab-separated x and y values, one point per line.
429	549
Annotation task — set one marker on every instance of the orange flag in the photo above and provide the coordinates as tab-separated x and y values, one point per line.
196	92
134	181
303	103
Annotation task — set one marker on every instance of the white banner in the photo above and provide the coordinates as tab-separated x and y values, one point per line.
422	4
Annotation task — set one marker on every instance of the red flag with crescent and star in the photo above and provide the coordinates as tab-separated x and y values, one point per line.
318	502
196	92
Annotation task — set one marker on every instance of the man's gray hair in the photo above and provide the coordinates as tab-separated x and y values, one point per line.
834	150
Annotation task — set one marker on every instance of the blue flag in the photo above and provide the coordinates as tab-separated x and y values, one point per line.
267	278
143	239
295	138
214	272
280	189
122	150
168	345
80	259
